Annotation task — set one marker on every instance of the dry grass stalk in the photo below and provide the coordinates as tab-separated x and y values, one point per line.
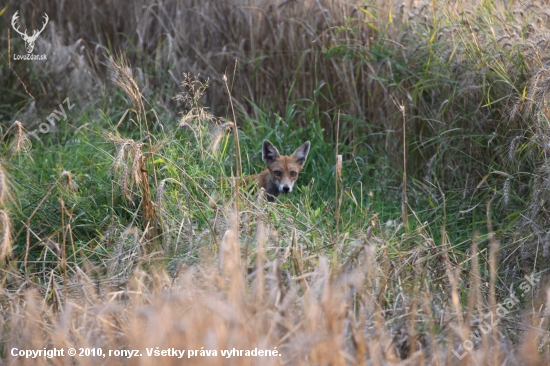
494	248
238	162
137	163
121	74
337	321
158	205
221	130
5	236
121	152
191	98
309	326
260	250
229	258
70	184
130	156
124	260
21	142
3	185
152	223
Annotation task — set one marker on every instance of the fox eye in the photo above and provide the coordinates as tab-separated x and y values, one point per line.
293	174
277	173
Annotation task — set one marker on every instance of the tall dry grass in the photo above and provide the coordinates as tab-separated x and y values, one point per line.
468	73
470	78
377	307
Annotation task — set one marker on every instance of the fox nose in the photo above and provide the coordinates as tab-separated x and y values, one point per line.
286	189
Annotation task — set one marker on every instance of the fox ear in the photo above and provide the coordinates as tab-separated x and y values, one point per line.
301	153
269	152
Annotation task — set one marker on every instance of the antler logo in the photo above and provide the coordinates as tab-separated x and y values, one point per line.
29	40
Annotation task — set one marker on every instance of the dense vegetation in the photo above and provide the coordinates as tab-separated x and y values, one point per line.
123	225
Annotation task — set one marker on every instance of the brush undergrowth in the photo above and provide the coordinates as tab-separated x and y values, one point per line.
123	226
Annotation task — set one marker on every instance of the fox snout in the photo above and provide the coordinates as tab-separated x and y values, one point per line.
284	187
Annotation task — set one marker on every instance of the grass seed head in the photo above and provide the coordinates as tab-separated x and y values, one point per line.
120	73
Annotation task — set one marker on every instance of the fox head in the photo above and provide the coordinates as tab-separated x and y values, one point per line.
284	169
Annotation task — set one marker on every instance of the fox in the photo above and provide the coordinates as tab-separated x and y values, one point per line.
282	171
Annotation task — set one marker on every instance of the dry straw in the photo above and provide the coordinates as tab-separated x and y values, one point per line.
121	74
69	182
5	236
3	186
391	302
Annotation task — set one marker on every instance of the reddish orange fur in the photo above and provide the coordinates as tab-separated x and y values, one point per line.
281	172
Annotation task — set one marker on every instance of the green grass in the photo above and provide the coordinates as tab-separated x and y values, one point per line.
370	188
469	92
